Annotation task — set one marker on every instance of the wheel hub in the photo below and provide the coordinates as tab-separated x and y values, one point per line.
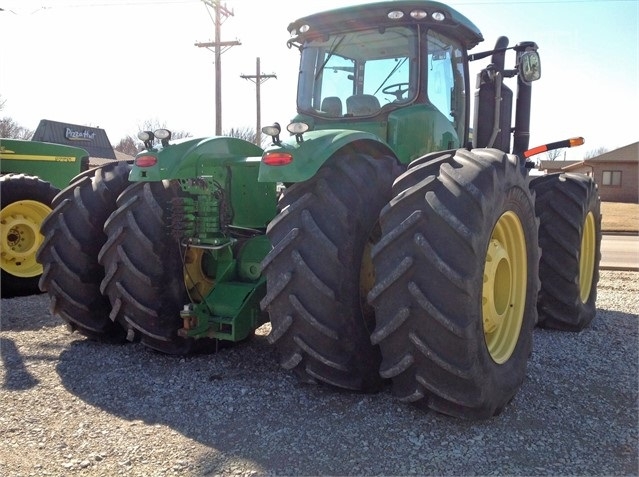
198	282
497	286
504	289
21	237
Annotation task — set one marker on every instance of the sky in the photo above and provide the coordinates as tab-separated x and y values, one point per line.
116	64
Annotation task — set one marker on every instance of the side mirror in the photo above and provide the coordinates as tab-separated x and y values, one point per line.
529	66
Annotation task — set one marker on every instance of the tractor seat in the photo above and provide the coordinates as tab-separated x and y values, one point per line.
332	106
362	105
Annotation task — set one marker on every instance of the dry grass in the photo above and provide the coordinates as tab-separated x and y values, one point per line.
619	217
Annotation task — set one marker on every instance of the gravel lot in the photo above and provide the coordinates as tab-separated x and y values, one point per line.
70	406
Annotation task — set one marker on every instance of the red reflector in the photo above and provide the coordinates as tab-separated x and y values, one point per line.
146	161
277	158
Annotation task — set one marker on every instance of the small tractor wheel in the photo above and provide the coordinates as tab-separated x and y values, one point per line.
144	277
73	237
319	272
568	207
457	282
25	202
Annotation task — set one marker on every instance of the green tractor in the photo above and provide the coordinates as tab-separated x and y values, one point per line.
383	238
33	173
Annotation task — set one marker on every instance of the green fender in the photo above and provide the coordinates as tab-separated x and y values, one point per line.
187	158
313	151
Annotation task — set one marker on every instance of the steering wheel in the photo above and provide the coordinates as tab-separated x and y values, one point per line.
400	89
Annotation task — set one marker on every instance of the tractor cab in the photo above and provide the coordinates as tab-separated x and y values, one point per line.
398	71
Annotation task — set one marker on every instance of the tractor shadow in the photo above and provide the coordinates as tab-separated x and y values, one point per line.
14	318
240	403
16	375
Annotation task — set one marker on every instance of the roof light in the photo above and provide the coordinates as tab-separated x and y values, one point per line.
273	131
162	133
145	136
395	14
297	128
277	158
146	161
418	14
438	16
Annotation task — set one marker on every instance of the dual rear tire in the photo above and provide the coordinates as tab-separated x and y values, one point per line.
457	282
319	272
144	270
110	268
69	254
569	209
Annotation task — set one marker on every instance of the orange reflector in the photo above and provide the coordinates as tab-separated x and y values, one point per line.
146	161
277	158
572	142
535	150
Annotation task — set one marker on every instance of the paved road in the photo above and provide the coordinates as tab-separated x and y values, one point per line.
620	252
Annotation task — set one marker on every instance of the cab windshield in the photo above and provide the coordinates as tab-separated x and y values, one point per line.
358	73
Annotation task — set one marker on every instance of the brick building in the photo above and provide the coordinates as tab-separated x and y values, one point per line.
616	172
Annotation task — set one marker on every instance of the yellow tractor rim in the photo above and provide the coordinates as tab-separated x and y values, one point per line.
504	288
367	277
21	237
587	257
198	283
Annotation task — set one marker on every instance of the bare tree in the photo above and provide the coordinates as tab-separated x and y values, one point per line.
132	145
154	124
10	129
553	154
128	145
595	152
246	133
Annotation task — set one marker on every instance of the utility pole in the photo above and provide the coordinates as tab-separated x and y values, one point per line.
258	78
219	47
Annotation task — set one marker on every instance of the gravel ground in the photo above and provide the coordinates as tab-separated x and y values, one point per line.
70	406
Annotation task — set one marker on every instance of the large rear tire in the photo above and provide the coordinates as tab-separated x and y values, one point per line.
319	272
73	237
568	207
457	283
25	201
144	277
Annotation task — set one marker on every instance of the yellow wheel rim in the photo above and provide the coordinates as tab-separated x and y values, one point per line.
198	284
367	277
21	237
587	257
504	289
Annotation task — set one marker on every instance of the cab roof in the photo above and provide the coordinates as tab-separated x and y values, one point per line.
359	17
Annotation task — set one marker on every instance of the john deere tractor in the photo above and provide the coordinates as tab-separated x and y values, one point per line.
31	174
383	238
